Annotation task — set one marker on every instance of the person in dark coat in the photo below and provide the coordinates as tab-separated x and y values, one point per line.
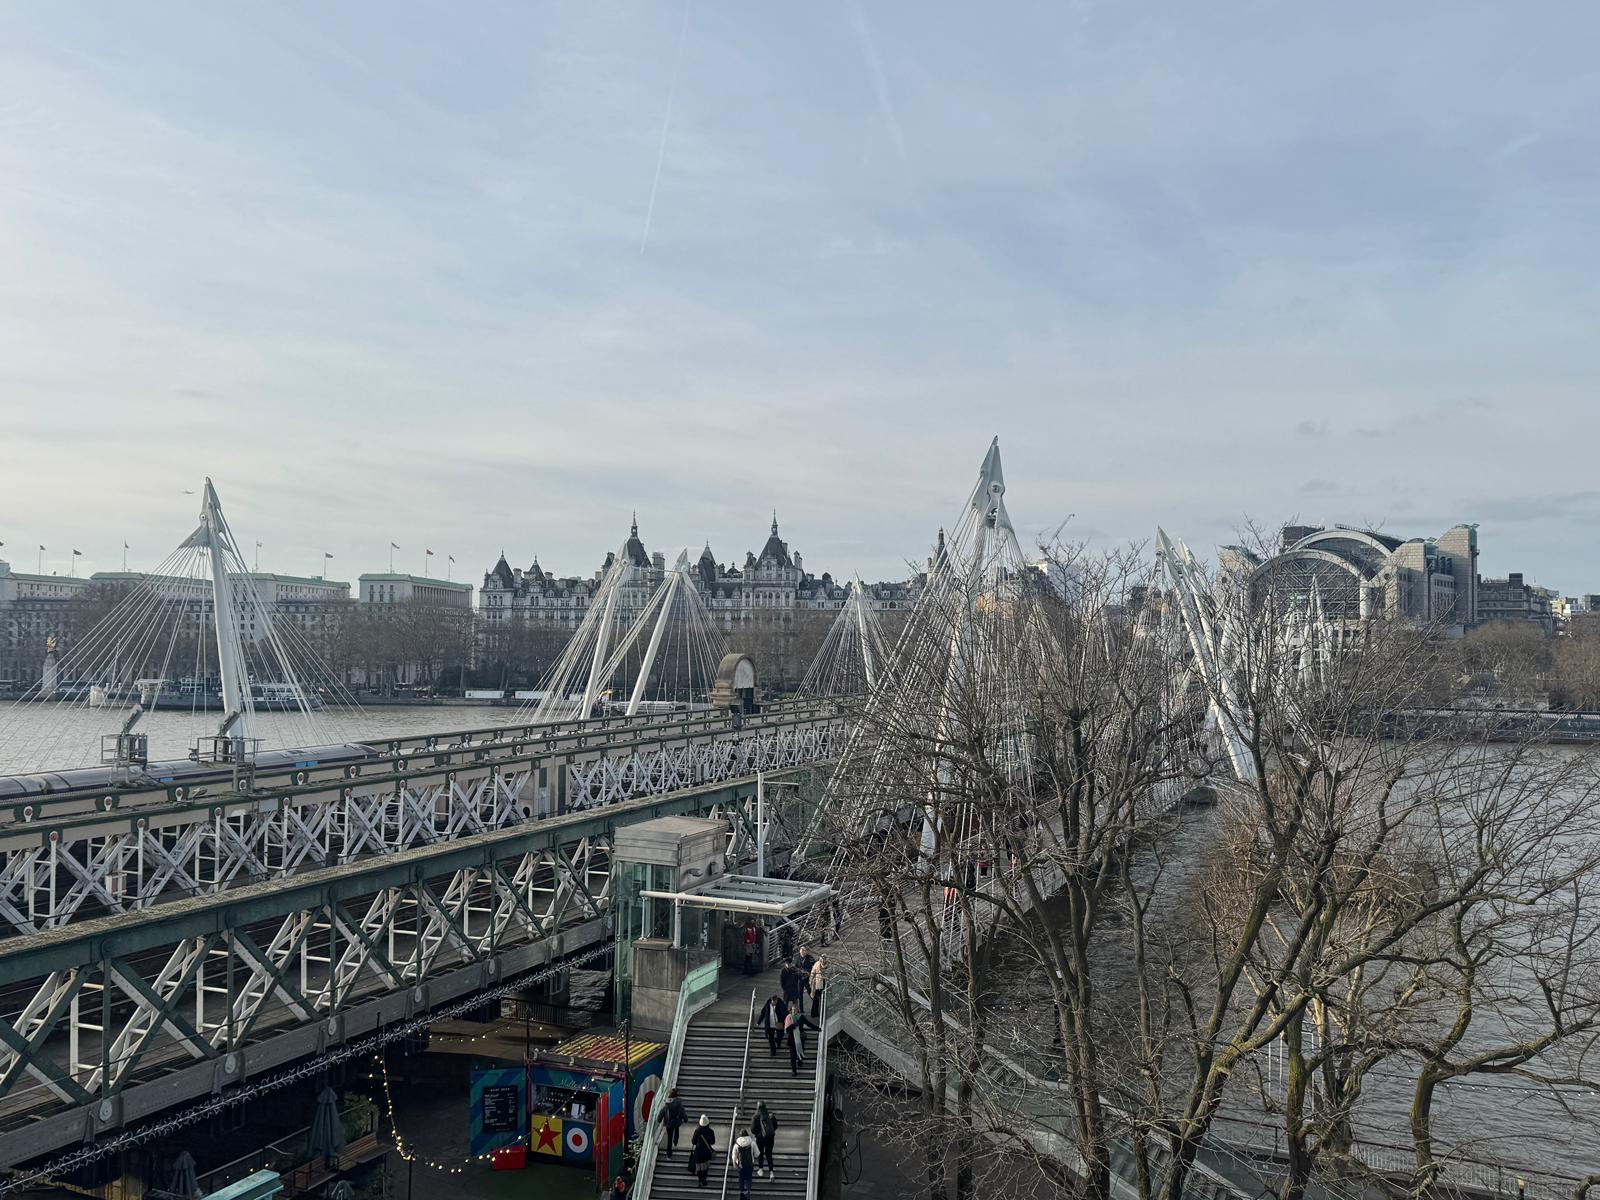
765	1128
700	1151
770	1019
673	1116
619	1189
789	979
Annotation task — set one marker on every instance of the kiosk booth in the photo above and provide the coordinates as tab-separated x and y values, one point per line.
577	1103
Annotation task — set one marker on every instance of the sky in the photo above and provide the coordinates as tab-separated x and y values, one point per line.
493	277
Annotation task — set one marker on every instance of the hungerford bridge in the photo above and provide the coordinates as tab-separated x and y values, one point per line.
172	933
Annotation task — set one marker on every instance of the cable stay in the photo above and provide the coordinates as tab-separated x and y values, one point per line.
961	658
630	658
853	654
194	636
1279	641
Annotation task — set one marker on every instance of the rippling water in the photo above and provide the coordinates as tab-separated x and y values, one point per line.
41	737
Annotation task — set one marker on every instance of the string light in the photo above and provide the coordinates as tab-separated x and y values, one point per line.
306	1070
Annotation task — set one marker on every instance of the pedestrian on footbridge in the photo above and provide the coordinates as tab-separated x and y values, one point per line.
700	1153
792	982
752	945
744	1157
794	1032
770	1020
817	981
673	1117
765	1129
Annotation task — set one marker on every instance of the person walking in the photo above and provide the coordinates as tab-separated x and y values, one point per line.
770	1019
791	981
700	1152
744	1157
619	1189
817	980
673	1116
794	1031
765	1128
752	943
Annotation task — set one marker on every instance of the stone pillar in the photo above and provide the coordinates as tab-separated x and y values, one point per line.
658	973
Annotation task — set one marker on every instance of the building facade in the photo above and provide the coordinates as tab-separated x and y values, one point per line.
1359	575
36	611
770	586
1512	599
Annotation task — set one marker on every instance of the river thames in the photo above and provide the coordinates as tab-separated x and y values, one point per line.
44	737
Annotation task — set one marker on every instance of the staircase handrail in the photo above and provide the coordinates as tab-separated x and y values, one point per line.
693	995
818	1097
744	1075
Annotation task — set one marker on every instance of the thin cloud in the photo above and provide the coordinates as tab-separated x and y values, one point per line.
879	78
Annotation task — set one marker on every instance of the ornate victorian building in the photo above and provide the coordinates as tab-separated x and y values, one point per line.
770	587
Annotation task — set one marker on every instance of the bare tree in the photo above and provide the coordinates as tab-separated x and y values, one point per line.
1368	906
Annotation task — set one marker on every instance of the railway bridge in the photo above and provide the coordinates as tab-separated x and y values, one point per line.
170	942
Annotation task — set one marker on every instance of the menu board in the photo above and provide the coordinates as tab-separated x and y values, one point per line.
500	1109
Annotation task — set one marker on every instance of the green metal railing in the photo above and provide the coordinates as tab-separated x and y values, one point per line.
818	1097
738	1103
699	989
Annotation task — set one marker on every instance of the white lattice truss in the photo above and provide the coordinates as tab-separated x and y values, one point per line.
608	780
212	993
88	1031
128	861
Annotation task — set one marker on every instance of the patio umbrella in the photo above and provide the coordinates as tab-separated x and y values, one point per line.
327	1128
184	1181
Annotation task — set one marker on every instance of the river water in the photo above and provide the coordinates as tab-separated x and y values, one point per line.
41	737
1505	1121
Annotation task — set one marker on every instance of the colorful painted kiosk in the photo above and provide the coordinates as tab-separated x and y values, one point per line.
577	1103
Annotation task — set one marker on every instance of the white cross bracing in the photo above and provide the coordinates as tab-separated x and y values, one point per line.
327	942
125	860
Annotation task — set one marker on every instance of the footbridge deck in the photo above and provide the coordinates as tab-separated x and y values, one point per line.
78	851
254	929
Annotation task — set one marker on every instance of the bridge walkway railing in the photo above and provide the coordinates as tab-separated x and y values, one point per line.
699	989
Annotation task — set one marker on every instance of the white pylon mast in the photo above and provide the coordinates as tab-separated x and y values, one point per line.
858	597
602	635
1214	662
673	583
214	535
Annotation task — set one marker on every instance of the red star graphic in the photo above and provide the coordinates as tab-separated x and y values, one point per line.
547	1137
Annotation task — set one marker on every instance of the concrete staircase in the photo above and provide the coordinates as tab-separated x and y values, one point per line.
708	1082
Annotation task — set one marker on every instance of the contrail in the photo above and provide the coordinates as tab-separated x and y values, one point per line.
880	80
666	127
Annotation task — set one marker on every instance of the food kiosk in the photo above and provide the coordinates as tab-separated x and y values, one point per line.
577	1103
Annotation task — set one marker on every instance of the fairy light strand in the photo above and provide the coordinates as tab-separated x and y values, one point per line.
271	1083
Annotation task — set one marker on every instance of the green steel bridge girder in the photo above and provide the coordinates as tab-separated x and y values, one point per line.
58	868
85	943
473	925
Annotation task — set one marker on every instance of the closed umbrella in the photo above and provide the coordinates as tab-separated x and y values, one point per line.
327	1129
185	1182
